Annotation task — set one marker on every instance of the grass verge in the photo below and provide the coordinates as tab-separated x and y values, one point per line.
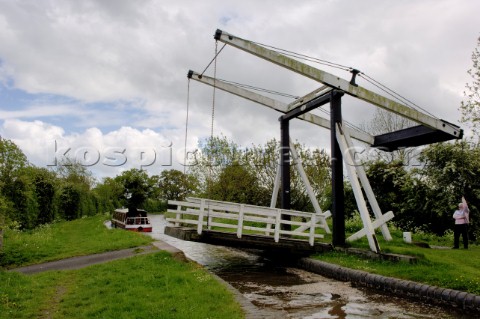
147	286
65	239
448	268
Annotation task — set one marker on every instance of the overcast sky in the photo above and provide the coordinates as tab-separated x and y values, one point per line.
107	76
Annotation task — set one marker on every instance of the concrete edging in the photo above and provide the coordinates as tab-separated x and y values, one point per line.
403	288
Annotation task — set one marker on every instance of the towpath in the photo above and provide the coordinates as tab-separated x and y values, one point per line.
251	311
84	261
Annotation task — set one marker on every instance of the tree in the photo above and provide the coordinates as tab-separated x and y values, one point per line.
3	208
69	201
261	162
471	107
386	122
44	187
175	185
12	160
76	173
396	189
451	170
237	184
12	186
137	187
110	194
213	155
386	181
77	180
316	164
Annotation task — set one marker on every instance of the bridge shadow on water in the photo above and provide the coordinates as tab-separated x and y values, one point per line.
285	247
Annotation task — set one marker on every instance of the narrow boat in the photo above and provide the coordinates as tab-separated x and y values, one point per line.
131	219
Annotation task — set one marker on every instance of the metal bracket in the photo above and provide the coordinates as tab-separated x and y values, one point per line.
354	76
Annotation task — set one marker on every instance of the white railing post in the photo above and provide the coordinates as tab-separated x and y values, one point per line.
209	217
277	225
200	217
178	215
240	221
313	223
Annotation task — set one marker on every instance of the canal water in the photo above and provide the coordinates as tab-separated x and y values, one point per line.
294	293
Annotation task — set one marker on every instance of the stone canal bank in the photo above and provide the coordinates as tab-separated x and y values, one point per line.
402	288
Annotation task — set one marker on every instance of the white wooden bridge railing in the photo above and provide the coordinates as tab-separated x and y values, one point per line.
206	213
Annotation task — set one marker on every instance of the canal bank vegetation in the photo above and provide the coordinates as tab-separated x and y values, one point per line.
437	264
145	286
422	196
65	239
32	196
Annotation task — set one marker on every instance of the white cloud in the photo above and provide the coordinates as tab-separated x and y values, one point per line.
105	154
132	57
40	111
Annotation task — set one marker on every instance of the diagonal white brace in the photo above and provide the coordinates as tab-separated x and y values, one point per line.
357	191
376	223
298	164
366	186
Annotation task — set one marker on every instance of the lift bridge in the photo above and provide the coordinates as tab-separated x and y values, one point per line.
271	228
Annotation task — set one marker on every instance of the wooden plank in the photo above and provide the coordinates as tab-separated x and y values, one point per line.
222	225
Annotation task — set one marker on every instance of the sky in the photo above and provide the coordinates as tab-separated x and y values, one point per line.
105	82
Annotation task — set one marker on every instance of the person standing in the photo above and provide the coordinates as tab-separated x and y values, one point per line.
462	220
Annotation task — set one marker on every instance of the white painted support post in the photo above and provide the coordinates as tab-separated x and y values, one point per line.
313	223
298	164
273	201
277	225
178	215
200	217
367	188
357	191
276	187
240	221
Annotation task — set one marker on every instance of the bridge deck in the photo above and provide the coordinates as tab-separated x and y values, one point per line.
287	246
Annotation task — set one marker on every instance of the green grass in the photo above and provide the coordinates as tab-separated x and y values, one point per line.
147	286
454	269
65	239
